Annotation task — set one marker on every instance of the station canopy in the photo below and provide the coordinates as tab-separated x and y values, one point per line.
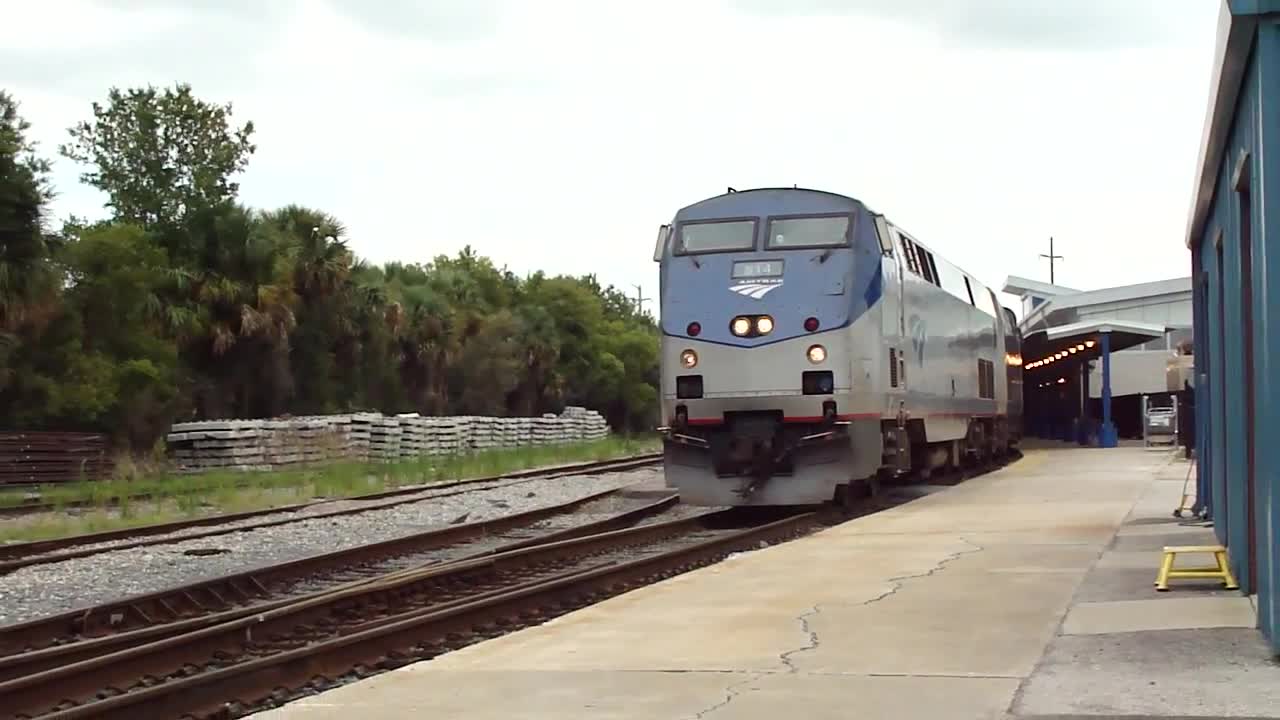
1083	340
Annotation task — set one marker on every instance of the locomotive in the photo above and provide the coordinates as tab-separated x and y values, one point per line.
812	349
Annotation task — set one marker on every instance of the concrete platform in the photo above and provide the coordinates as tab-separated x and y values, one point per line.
1026	593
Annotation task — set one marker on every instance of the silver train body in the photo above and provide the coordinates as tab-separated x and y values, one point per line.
811	349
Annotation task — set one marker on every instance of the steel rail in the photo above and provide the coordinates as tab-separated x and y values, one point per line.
247	660
34	505
80	634
20	555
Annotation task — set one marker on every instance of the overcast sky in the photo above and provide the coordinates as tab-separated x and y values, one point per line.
558	134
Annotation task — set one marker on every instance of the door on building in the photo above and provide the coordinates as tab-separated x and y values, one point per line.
1222	516
1246	306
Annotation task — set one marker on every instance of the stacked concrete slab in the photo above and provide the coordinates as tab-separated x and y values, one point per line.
584	425
545	430
361	435
218	445
445	434
281	443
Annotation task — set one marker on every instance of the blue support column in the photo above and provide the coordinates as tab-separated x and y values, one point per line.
1107	436
1082	430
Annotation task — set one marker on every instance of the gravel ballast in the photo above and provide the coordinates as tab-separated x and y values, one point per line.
320	508
40	590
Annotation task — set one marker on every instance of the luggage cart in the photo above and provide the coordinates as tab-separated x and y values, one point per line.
1159	426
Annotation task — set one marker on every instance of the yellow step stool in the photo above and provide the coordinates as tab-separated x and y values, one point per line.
1221	571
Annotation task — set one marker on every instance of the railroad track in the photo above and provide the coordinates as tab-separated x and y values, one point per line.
252	653
34	505
240	664
76	635
18	555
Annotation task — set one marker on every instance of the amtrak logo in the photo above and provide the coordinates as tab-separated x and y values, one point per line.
755	289
918	335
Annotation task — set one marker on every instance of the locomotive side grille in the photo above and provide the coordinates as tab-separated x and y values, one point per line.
893	367
986	379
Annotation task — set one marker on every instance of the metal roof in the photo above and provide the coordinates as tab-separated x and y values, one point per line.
1050	349
1122	293
1139	291
1015	285
1237	28
1148	331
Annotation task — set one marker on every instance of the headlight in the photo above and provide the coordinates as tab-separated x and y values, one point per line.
689	359
741	326
817	354
764	325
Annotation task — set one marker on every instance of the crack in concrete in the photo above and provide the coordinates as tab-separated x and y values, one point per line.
898	583
811	645
731	693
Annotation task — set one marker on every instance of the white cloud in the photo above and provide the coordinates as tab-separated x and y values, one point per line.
558	135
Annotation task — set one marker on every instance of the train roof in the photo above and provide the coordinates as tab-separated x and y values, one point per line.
683	212
793	188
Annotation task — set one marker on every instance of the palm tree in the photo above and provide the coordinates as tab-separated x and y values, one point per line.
245	303
429	344
540	348
321	266
317	240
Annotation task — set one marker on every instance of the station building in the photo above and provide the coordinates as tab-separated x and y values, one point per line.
1235	259
1159	317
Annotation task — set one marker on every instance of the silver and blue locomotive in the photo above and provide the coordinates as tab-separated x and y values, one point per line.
811	349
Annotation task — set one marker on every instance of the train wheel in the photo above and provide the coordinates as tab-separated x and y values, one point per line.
978	442
843	499
849	495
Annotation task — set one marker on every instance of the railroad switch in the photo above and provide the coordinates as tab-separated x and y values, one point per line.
1221	571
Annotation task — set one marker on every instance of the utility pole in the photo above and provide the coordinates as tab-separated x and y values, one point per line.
1051	257
640	299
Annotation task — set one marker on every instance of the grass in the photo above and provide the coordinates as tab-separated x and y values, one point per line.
143	496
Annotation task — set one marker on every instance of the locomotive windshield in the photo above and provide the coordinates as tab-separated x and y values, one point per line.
808	232
717	236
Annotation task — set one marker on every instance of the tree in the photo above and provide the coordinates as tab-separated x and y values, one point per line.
321	267
490	367
161	155
187	303
28	277
118	275
243	294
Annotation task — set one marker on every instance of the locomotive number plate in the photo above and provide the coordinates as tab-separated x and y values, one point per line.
751	269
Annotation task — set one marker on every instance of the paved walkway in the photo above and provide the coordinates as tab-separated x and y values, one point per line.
1026	593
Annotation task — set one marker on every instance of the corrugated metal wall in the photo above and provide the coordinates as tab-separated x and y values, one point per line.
1175	312
1221	405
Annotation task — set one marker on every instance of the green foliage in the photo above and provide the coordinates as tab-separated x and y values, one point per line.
188	305
160	155
28	279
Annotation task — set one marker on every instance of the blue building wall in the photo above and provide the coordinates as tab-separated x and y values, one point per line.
1222	392
1266	239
